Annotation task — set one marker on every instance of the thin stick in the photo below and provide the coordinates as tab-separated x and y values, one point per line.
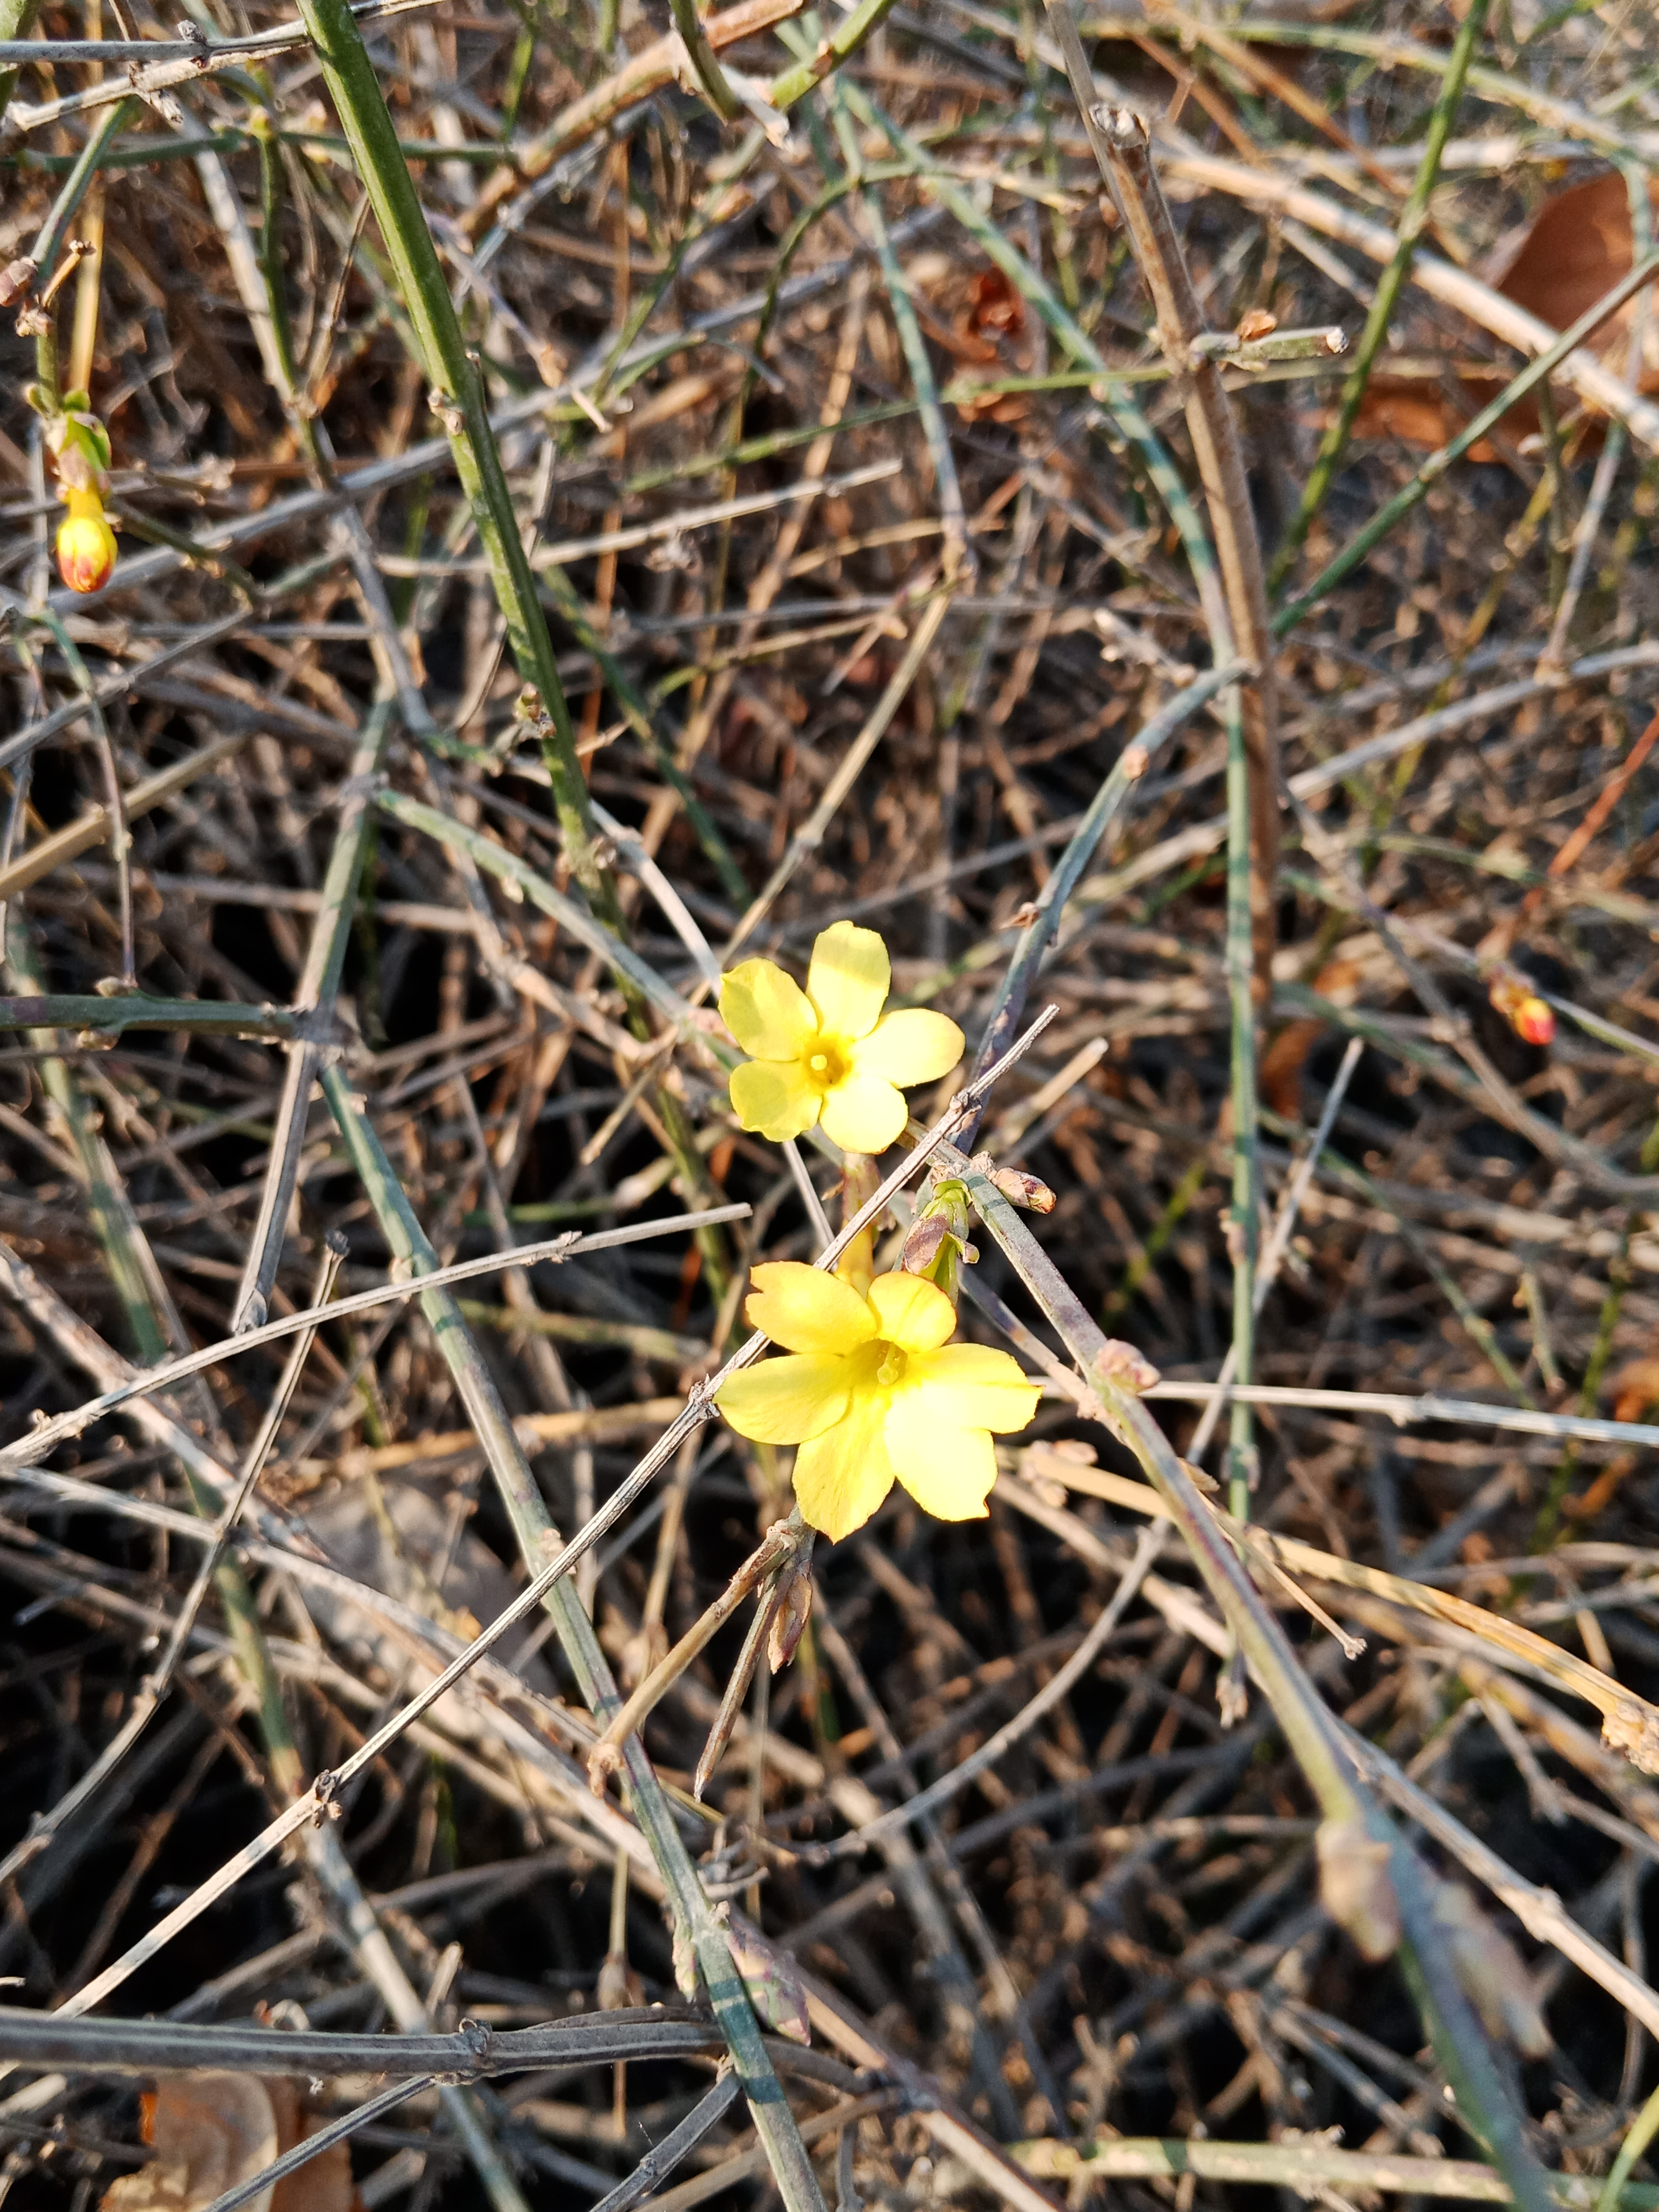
1278	1240
151	1691
555	1249
1413	218
1120	145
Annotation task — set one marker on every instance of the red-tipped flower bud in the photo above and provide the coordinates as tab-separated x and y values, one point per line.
1526	1013
86	544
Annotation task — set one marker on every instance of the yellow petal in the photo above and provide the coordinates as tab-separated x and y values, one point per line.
914	1313
973	1387
766	1011
864	1114
849	979
806	1309
772	1098
949	1472
784	1401
914	1045
842	1476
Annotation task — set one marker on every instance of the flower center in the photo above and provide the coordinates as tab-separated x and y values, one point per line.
891	1366
825	1063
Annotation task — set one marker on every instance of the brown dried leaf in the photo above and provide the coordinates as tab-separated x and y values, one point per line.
1635	1387
210	2133
1574	251
324	2183
1282	1063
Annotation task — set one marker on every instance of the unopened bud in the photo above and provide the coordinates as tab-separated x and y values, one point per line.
1124	1367
789	1621
1029	1192
773	1981
1490	1972
1527	1014
86	544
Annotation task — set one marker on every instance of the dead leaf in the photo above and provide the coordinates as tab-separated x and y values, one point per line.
323	2183
1493	1977
1286	1055
1635	1387
992	406
1282	1063
994	305
1574	251
209	2132
1577	248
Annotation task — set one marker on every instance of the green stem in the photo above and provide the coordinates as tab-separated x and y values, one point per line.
946	488
458	399
721	98
1435	466
16	21
109	1017
774	2122
1637	2136
793	84
1413	216
1131	764
50	237
1309	1727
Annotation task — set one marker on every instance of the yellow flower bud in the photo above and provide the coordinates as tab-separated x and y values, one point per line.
86	544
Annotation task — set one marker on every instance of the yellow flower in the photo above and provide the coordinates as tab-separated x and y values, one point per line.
86	544
826	1053
873	1391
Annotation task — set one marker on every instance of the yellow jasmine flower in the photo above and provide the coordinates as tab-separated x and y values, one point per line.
827	1053
86	544
873	1391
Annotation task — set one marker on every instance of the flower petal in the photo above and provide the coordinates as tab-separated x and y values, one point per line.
767	1012
970	1386
807	1310
772	1098
864	1114
914	1045
848	980
948	1471
914	1313
842	1477
784	1401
